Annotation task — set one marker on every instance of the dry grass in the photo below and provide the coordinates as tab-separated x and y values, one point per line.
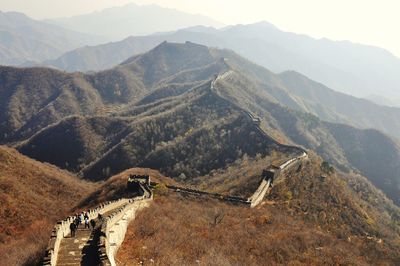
189	232
240	178
115	187
33	197
318	223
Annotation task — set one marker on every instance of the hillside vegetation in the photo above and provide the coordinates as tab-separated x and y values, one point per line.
309	218
116	186
289	87
373	153
160	110
355	69
33	197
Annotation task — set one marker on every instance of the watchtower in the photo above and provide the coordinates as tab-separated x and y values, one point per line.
137	182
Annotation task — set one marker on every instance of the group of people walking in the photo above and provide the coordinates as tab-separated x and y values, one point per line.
82	218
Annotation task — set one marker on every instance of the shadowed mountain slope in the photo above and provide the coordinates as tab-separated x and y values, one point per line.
105	56
33	98
298	92
359	70
345	146
193	134
166	113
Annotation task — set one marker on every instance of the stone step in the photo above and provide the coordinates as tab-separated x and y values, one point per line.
65	258
79	250
78	260
70	260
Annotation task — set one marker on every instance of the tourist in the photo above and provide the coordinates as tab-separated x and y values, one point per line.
72	227
77	221
87	222
93	223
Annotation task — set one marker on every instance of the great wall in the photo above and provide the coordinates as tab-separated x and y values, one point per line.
102	244
119	213
269	175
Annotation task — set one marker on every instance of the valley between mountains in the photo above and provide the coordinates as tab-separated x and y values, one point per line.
158	110
209	119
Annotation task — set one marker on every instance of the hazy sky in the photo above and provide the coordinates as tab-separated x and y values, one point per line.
375	22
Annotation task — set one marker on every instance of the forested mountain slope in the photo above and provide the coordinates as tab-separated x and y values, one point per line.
299	92
355	69
373	153
164	113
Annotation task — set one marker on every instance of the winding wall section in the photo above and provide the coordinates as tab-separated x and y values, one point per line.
113	228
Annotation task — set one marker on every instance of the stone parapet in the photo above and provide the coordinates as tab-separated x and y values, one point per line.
114	228
62	229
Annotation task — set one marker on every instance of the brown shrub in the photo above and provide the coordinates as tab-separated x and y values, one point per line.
322	224
33	197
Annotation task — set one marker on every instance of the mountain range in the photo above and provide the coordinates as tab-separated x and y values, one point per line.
117	23
207	116
343	66
23	39
359	70
161	110
306	94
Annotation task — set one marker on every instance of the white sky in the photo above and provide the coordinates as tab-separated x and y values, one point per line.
375	22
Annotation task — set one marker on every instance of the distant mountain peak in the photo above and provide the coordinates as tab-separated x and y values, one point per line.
133	20
15	15
200	29
186	45
265	24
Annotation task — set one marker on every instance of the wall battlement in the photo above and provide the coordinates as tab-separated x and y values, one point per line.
62	229
121	211
114	228
268	177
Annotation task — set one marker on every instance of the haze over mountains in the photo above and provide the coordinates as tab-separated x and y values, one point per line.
229	111
355	69
120	22
23	39
305	94
359	70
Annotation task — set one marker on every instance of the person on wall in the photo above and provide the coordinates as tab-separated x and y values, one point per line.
72	227
93	223
77	221
87	222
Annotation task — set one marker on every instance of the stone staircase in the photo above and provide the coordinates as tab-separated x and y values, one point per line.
98	246
83	248
73	249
